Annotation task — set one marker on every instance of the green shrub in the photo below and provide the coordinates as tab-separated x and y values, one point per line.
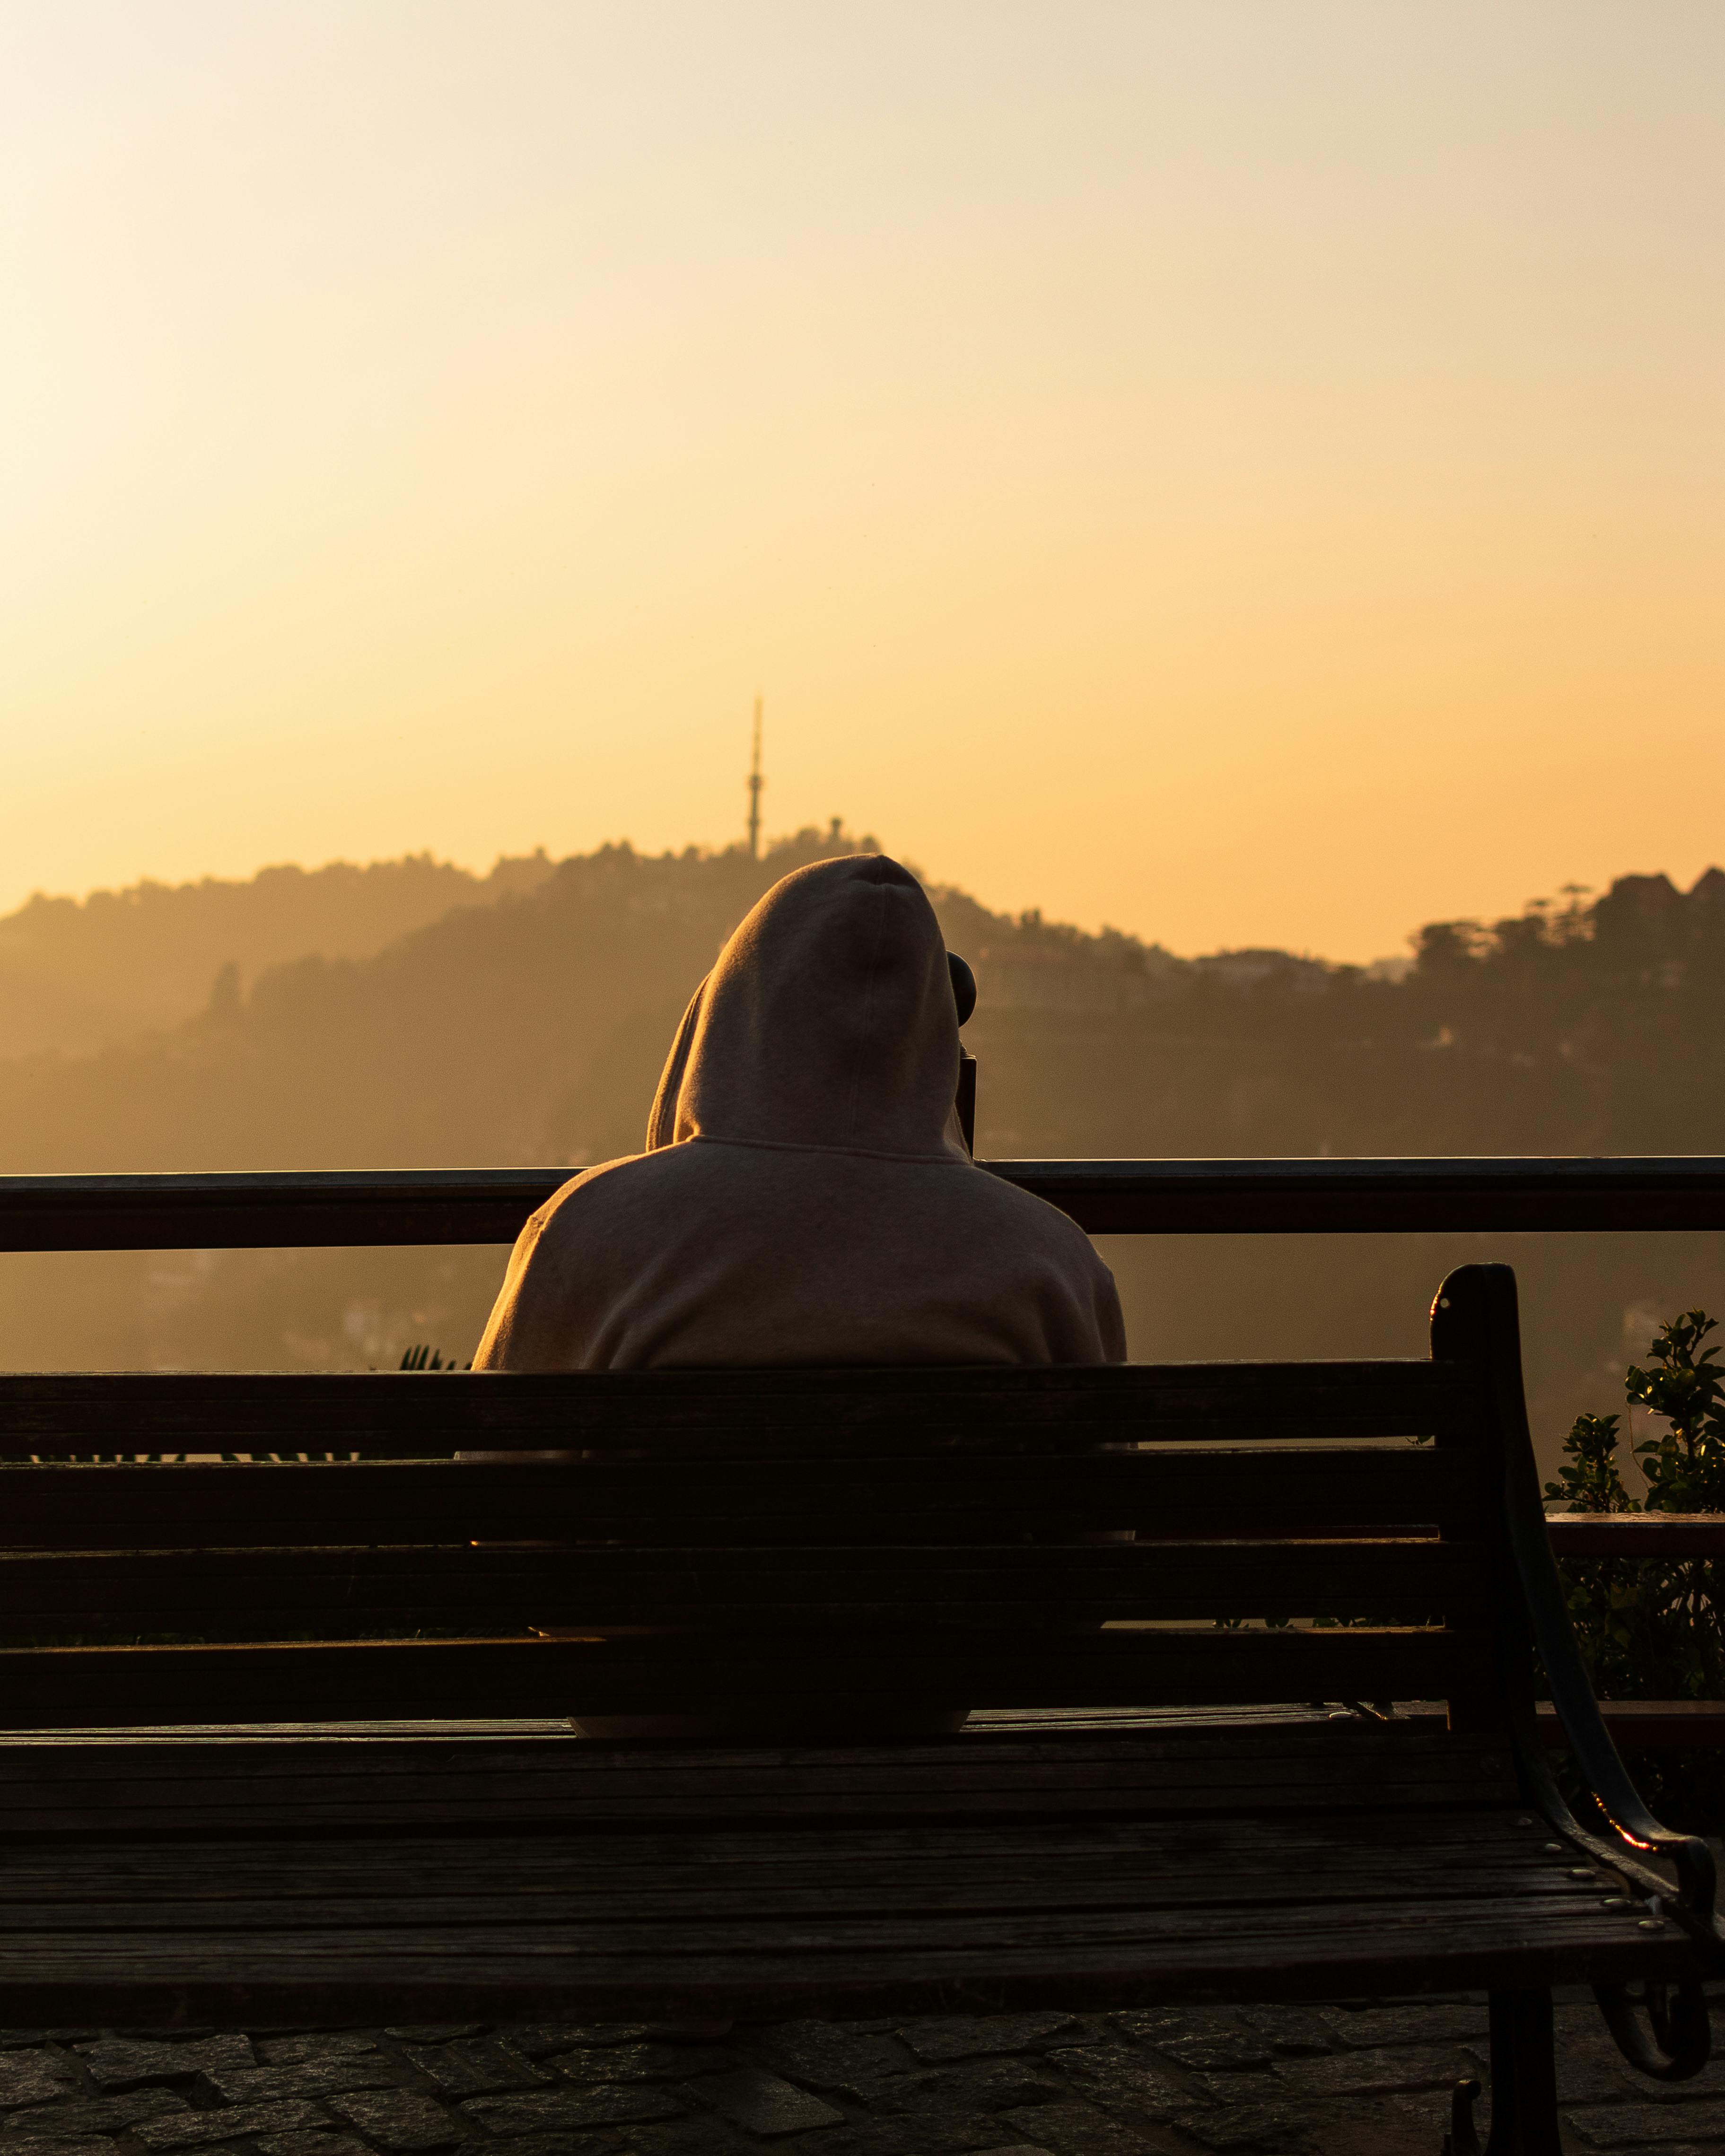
1654	1628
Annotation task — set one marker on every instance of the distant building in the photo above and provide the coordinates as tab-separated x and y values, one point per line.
1059	980
1252	969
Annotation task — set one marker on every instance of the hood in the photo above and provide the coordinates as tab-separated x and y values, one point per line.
829	1021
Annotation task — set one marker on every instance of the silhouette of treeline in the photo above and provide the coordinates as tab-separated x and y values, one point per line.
85	973
1574	1029
526	1029
528	1023
527	1020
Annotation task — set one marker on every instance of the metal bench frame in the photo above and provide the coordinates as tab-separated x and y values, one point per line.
807	1555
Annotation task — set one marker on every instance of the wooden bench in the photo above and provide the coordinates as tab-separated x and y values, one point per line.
821	1552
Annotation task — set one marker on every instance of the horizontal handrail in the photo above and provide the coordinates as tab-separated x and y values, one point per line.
1648	1725
1664	1536
296	1207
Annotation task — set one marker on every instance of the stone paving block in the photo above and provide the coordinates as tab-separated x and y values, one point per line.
1373	2072
30	2144
828	2058
1079	2129
1578	2017
316	2077
982	2086
117	2063
473	2066
1591	2069
1086	2029
1291	2031
979	2086
433	2032
1256	2088
99	2114
640	2062
35	2077
1212	2042
543	2111
706	2135
1367	2029
1381	2126
1631	2125
185	2129
1363	2079
883	2093
398	2117
1121	2080
314	2046
537	2040
763	2102
1276	2127
1585	2077
909	2137
981	2035
311	2142
601	2143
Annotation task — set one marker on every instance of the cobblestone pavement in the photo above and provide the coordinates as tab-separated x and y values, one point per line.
1362	2080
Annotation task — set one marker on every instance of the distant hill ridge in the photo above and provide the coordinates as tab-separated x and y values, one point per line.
410	1012
429	1017
424	1015
78	974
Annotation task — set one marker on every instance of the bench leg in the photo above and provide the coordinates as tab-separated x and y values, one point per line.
1461	2140
1524	2080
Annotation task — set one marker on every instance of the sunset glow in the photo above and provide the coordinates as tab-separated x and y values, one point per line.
1249	474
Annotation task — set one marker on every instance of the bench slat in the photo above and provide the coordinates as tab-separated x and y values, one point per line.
467	1884
264	1594
108	1687
672	1414
1293	1492
828	1921
265	1784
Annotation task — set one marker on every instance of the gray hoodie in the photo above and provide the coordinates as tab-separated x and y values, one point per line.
805	1196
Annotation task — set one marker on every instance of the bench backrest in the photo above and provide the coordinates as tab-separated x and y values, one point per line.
764	1544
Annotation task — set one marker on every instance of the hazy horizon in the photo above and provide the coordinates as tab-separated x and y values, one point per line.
772	840
1242	474
402	1015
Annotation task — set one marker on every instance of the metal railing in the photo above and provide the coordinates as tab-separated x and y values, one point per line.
1669	1536
310	1209
407	1206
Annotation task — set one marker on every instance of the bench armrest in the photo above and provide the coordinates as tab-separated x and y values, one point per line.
1596	1755
1475	1316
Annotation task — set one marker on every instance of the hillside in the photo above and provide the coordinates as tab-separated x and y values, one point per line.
1594	1029
530	1026
527	1022
79	974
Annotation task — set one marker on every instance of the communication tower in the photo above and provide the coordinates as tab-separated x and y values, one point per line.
756	782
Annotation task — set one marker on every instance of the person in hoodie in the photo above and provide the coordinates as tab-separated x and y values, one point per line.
805	1195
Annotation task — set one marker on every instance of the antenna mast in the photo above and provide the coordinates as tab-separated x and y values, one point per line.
756	782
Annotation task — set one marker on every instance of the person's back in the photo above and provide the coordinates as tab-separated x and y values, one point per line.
805	1195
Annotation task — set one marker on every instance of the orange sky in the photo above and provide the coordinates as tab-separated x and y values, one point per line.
1246	472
